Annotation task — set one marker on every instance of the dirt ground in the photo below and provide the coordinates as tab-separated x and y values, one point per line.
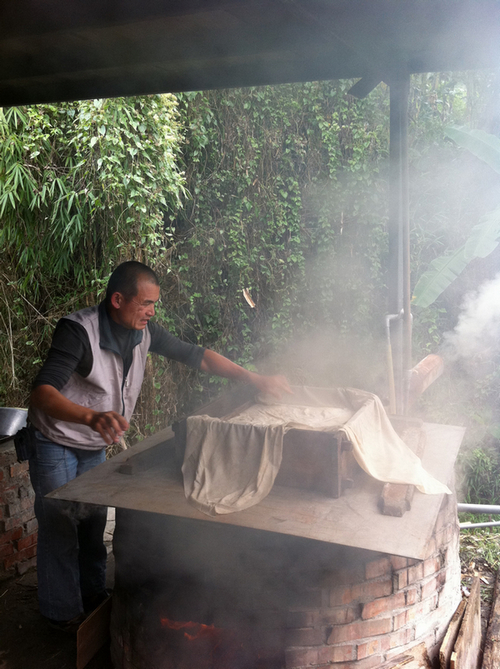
26	641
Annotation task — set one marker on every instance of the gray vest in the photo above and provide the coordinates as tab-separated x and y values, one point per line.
104	389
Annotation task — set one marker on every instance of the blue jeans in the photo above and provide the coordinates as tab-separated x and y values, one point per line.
71	558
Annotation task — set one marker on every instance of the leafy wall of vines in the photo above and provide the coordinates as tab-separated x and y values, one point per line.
281	191
288	201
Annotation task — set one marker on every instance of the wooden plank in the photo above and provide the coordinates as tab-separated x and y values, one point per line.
491	657
156	455
451	636
93	633
468	645
125	457
351	520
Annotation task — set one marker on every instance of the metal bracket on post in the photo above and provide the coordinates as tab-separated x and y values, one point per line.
390	360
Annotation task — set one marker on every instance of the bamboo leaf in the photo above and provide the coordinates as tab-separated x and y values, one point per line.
480	143
4	200
442	272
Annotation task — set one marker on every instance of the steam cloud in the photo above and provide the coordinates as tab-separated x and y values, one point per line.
477	332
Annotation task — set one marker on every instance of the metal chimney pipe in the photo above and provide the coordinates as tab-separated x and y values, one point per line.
471	526
494	509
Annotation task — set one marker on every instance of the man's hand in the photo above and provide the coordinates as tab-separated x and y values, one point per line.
271	385
214	363
110	425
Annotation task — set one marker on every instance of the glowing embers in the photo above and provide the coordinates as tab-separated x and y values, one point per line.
196	630
191	644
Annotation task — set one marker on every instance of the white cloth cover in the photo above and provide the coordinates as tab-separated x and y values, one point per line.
230	464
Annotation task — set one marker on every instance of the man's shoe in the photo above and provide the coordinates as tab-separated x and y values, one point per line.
67	626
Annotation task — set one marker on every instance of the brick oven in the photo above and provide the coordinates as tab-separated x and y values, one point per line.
300	580
236	598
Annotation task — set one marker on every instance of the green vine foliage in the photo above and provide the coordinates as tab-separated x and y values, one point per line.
83	183
287	201
83	186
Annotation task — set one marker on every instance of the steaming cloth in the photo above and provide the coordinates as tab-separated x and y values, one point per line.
230	464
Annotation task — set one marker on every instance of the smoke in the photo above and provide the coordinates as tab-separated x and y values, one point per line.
475	338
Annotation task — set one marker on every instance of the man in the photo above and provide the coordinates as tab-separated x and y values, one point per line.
82	399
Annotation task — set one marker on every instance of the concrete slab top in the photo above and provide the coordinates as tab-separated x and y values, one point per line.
352	520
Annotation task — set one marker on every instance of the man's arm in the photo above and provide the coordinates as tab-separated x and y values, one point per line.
164	343
213	363
109	424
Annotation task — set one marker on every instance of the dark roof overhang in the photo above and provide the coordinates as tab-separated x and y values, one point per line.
55	50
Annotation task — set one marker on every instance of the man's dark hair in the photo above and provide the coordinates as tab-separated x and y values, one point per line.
124	279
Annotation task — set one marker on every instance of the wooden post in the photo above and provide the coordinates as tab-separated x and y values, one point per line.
468	646
451	635
491	659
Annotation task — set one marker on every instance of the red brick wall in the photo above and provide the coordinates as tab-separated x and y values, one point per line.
18	525
378	607
298	603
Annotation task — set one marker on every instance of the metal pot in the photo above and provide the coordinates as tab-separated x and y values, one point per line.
12	420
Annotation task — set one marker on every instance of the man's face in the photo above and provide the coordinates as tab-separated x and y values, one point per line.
134	314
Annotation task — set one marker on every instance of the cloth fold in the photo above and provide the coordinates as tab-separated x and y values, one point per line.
230	464
229	467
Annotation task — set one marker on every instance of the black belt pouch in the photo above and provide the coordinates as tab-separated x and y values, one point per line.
24	442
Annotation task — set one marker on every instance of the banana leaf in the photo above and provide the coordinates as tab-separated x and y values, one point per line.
442	272
484	236
480	143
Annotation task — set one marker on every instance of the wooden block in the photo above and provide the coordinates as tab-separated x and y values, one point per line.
396	498
415	658
468	644
93	633
491	657
451	636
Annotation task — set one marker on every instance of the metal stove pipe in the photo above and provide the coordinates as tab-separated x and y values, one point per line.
494	509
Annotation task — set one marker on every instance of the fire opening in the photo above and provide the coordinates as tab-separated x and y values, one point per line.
205	646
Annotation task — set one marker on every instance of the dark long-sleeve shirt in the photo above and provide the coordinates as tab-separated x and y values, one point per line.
70	350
